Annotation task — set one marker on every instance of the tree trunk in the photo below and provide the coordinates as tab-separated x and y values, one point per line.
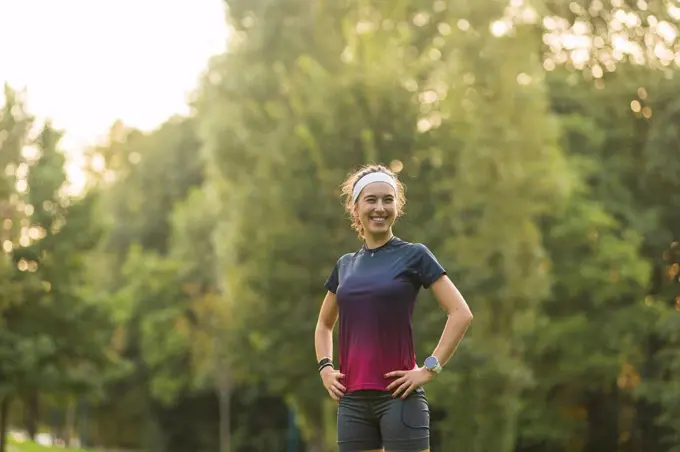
83	431
603	425
4	414
649	433
224	389
225	419
32	414
69	423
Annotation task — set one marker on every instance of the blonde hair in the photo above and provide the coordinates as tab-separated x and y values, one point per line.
348	188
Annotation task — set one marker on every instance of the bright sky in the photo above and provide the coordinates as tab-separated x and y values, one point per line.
86	63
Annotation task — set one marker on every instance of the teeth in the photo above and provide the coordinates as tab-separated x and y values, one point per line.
379	219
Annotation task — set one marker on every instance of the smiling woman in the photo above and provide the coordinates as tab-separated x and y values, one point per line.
372	292
374	183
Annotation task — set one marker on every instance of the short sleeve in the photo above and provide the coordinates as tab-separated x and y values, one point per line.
333	279
428	268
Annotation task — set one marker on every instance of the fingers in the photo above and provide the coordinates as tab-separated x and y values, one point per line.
396	373
335	388
407	382
403	387
338	387
334	382
408	391
333	396
396	383
336	391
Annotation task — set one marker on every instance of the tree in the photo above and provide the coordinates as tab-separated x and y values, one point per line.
44	317
427	104
166	304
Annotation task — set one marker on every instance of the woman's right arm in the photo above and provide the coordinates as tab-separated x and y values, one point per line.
323	344
323	336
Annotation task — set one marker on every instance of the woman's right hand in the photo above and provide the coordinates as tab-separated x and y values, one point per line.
330	378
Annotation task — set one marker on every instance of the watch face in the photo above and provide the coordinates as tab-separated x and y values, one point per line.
430	362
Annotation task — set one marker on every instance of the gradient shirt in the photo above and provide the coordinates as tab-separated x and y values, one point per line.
376	291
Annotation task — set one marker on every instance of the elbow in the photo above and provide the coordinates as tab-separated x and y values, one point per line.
323	328
467	313
463	315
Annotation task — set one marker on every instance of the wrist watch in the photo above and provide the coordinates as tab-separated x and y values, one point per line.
432	364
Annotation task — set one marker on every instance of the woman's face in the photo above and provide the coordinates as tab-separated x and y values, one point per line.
377	208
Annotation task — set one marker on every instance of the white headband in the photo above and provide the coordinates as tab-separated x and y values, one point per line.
377	176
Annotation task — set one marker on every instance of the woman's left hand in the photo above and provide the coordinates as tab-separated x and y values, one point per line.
408	380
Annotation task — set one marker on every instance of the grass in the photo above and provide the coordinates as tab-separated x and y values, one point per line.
30	446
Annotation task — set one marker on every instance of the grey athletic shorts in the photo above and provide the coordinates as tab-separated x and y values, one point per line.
370	420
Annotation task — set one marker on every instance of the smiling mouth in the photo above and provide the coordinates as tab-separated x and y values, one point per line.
379	219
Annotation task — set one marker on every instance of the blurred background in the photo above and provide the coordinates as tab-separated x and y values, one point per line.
169	193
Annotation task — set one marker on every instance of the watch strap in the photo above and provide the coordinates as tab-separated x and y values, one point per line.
325	362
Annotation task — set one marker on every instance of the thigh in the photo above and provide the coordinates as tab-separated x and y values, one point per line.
358	428
405	424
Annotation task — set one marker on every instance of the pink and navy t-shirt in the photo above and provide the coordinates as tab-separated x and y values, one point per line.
376	291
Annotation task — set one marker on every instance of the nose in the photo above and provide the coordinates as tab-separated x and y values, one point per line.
380	206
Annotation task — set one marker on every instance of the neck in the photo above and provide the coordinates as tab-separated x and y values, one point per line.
375	241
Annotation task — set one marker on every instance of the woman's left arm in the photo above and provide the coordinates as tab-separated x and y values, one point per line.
458	319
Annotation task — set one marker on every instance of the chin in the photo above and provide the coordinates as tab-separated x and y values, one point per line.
379	230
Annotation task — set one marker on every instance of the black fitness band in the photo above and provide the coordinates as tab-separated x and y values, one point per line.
325	362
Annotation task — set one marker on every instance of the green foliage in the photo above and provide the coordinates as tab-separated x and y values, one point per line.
46	236
160	281
322	118
523	206
44	323
194	264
